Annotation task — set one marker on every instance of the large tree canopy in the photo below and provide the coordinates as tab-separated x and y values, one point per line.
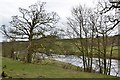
33	22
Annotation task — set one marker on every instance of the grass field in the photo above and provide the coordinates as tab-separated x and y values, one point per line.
47	69
58	46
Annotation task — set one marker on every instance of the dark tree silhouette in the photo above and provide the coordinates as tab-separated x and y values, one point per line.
3	74
32	23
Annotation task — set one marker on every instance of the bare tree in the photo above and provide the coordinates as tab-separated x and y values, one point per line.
32	23
106	24
81	29
88	25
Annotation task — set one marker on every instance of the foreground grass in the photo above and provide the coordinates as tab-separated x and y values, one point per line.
47	69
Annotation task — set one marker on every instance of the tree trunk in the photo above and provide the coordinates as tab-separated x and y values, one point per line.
99	55
104	52
111	51
29	54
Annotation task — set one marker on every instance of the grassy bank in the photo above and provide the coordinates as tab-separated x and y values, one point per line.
60	46
47	69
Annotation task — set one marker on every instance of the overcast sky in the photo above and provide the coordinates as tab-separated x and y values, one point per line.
9	8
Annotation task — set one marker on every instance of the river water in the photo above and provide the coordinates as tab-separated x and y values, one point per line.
77	61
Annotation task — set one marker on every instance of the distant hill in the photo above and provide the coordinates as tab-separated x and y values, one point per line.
52	45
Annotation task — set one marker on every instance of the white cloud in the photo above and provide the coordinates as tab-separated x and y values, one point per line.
62	7
9	8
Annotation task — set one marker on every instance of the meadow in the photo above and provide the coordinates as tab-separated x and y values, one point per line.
59	46
50	68
47	69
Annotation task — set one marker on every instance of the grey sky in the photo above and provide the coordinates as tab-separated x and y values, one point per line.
9	8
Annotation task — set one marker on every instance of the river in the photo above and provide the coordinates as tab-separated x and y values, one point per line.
77	61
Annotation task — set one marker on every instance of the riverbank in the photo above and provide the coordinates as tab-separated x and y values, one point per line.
78	61
47	69
63	46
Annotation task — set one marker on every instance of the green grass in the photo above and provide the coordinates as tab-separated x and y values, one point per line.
47	69
0	64
60	46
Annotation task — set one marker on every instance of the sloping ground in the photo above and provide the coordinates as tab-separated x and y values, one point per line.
59	46
47	69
